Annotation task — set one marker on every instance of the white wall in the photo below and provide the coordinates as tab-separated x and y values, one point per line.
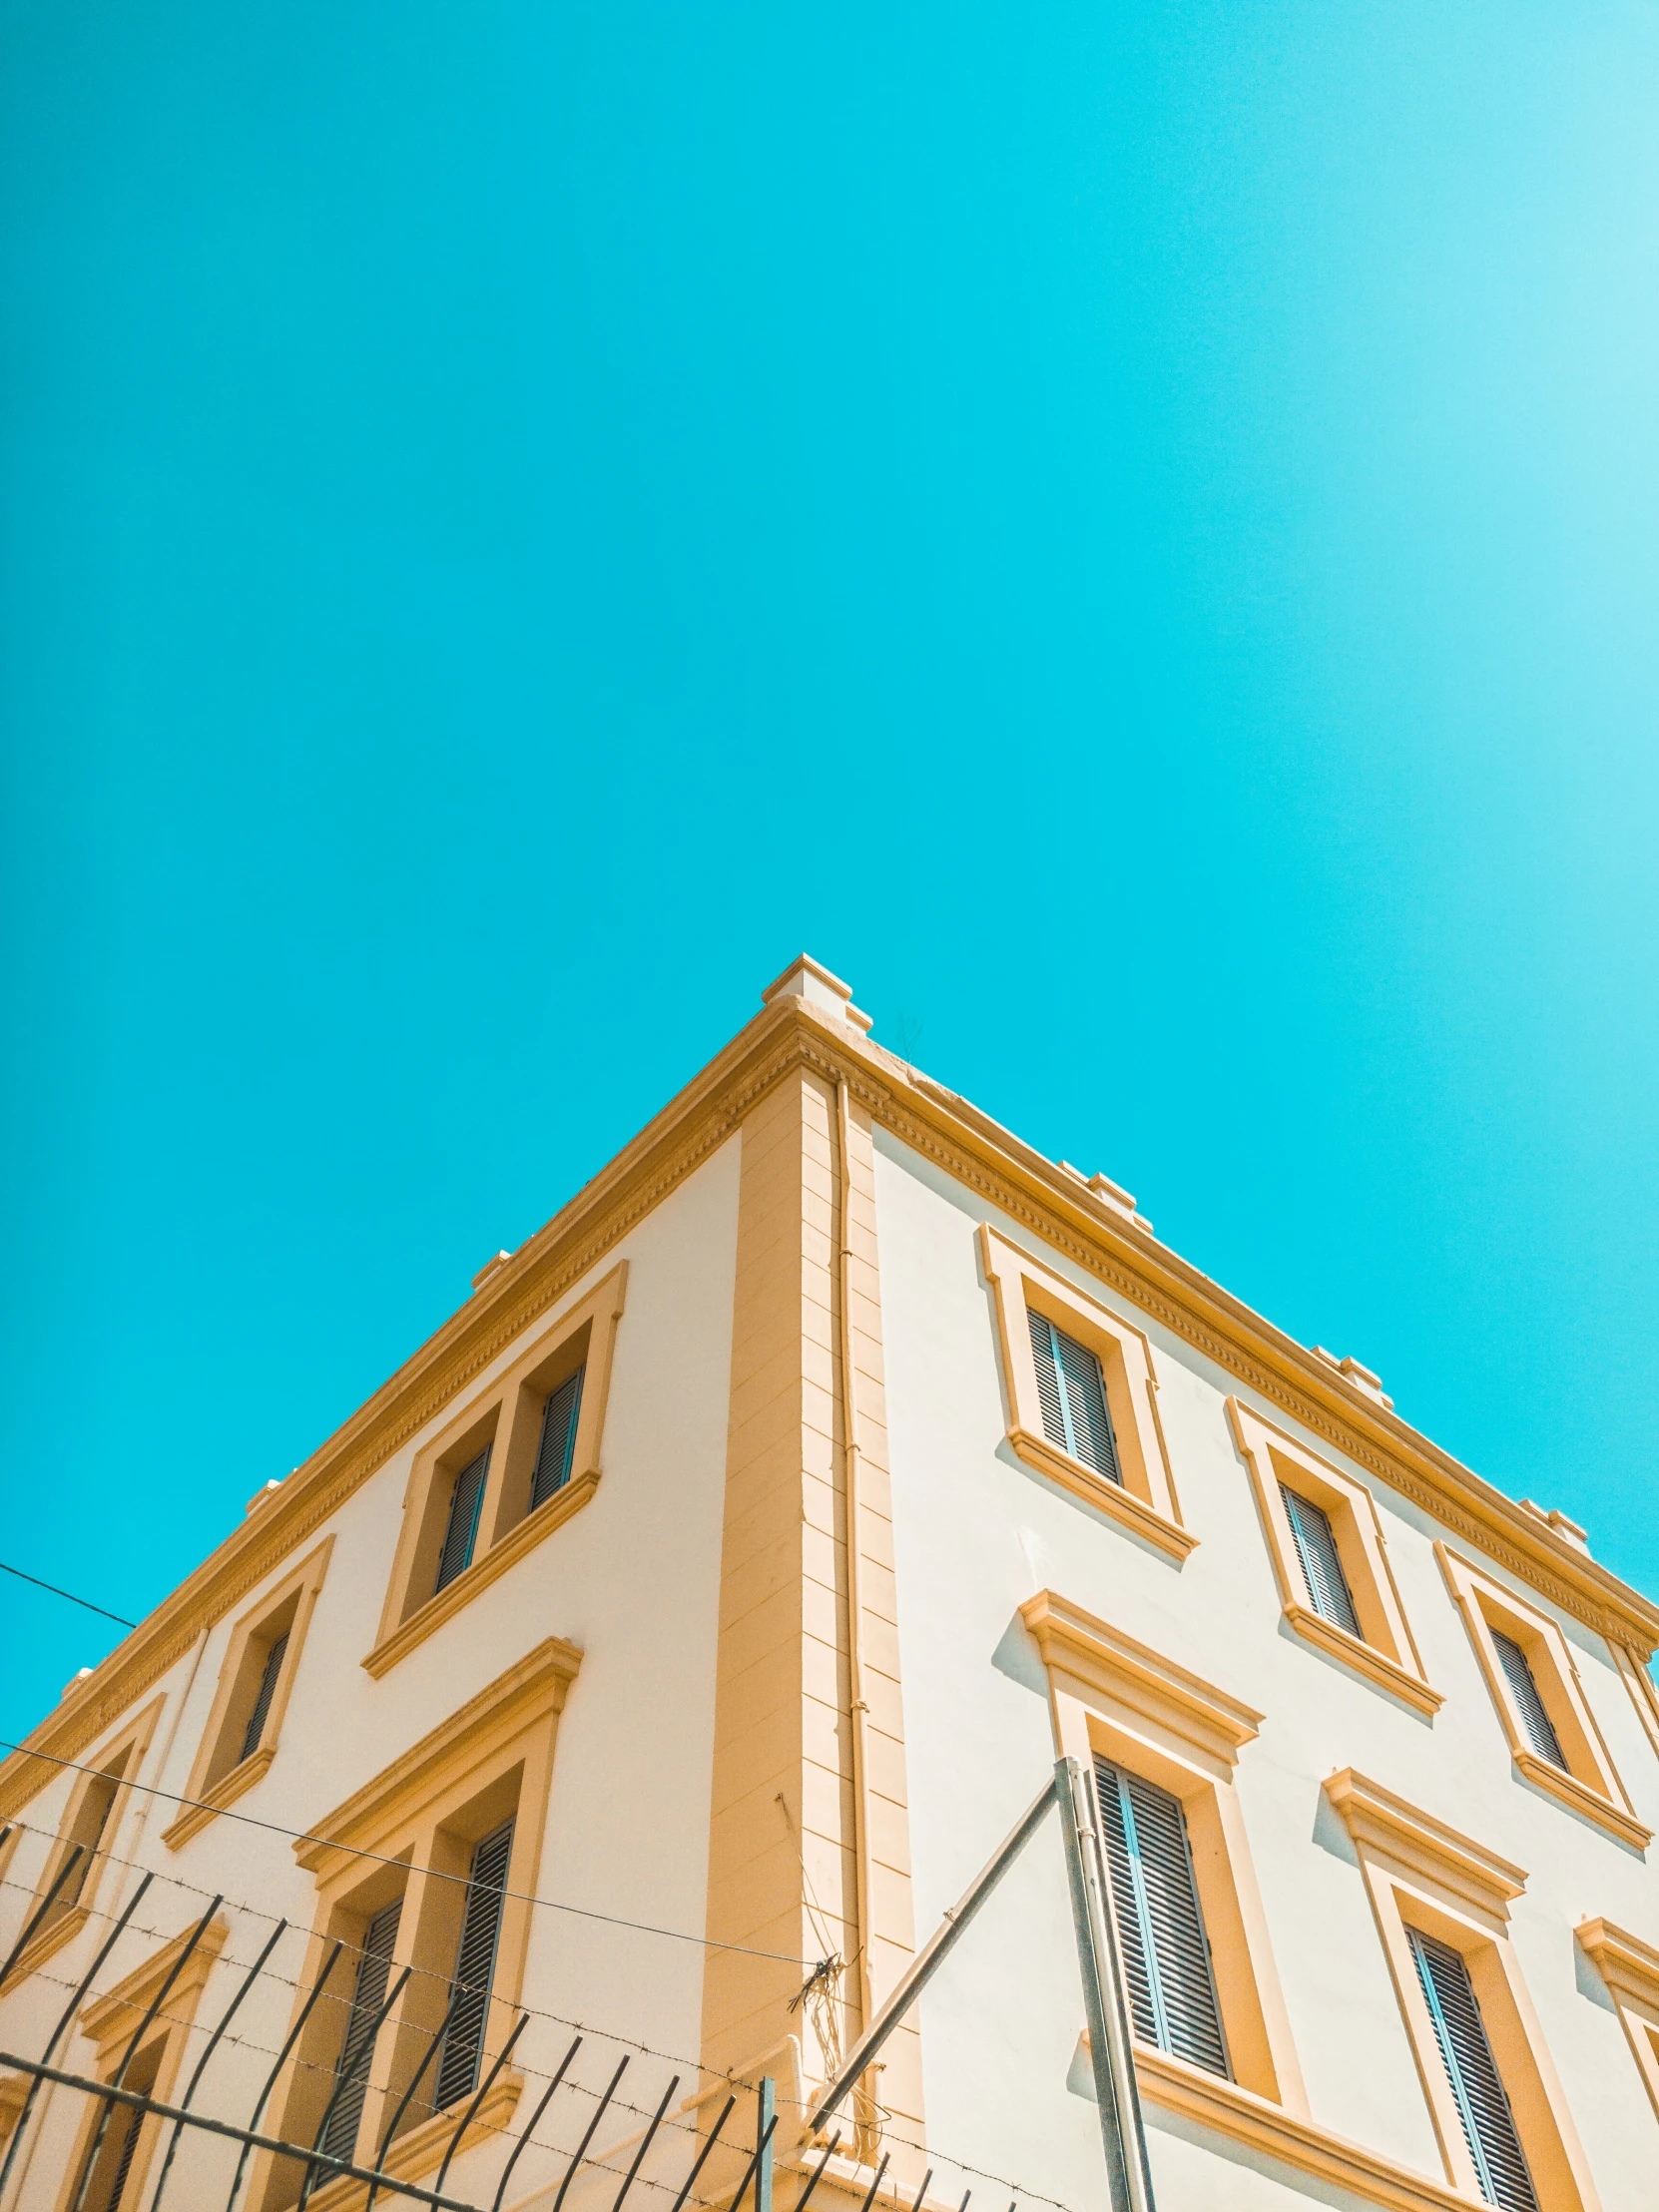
632	1579
978	1532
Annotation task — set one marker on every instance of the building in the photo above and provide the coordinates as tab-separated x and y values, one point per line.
554	1675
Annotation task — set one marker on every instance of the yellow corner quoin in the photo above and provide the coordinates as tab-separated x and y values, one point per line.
699	1768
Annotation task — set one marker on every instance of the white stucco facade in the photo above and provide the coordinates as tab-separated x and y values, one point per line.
767	1683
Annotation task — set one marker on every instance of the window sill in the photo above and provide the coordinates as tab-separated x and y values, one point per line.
1301	2143
1111	1497
553	1513
1580	1798
417	2153
1364	1658
52	1938
224	1792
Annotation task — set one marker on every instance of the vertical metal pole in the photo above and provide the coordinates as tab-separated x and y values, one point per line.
1112	2053
765	2121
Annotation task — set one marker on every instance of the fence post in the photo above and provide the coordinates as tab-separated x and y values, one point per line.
766	2121
1111	2051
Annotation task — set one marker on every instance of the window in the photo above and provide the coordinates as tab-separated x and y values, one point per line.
469	1992
1319	1561
1163	1747
1441	1905
1536	1725
435	1927
71	1873
107	2168
262	1659
1532	1678
1471	2074
1630	1969
466	1502
1166	1954
1072	1392
1082	1395
371	1976
1330	1559
504	1473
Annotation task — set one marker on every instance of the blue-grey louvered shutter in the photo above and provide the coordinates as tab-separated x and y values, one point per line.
267	1689
1322	1567
1166	1954
1072	1392
134	2119
338	2137
1535	1719
465	1503
464	2040
1476	2087
558	1439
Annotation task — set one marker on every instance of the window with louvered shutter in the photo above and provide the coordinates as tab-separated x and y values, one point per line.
558	1439
1319	1561
1539	1729
466	1505
464	2040
1477	2090
267	1691
339	2135
1165	1955
1072	1392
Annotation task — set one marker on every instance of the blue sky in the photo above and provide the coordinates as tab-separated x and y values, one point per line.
1128	532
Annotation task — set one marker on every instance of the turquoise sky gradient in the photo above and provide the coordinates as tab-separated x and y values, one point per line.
1127	531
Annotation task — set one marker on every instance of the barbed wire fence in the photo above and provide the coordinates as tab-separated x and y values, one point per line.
681	2138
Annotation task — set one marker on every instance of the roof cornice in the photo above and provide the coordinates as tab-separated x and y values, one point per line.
1043	1198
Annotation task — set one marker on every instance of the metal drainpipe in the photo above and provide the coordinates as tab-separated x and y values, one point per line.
860	1708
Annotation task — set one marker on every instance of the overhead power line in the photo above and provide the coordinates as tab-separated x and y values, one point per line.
436	1874
69	1594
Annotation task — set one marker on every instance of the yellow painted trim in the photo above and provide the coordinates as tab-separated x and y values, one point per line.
1145	1500
1047	1203
14	2092
229	1707
421	2152
552	1513
1382	1823
1078	1645
1112	1695
1420	1873
536	1686
66	1921
111	2019
235	1783
1644	1692
109	2024
1591	1786
1630	1969
1386	1653
1290	2138
46	1943
506	1417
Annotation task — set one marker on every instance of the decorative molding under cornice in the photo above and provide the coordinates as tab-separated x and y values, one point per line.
964	1143
1625	1962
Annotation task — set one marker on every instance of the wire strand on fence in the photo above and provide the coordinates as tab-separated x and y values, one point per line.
581	2029
519	1896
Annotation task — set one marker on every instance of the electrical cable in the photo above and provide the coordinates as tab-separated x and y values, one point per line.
519	1896
69	1594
